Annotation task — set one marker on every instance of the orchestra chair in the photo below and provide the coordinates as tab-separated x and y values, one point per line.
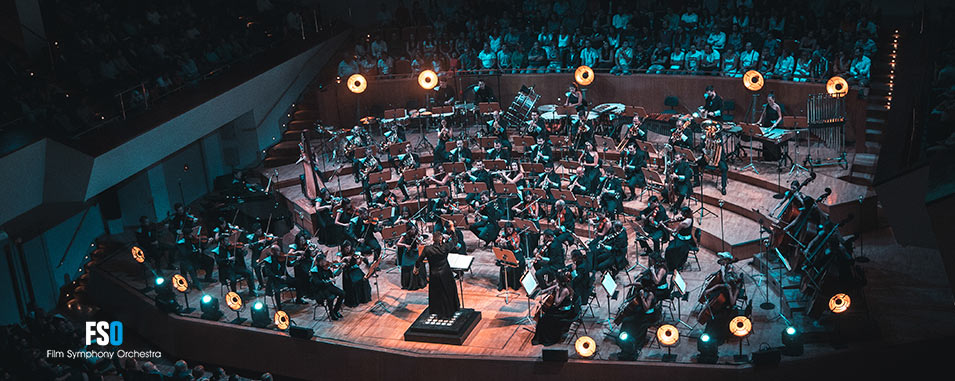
591	299
697	232
729	106
671	101
322	303
224	288
576	325
668	304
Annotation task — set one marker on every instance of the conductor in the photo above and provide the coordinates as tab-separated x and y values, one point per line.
442	292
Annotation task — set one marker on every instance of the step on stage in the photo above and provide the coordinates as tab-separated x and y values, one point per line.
429	328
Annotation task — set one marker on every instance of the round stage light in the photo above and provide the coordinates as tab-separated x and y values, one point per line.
160	280
839	303
585	346
357	83
233	301
624	336
427	79
206	299
258	305
740	326
790	331
138	254
668	335
281	320
705	338
179	283
753	80
584	75
837	86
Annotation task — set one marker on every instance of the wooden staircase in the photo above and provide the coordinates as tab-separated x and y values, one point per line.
303	116
865	162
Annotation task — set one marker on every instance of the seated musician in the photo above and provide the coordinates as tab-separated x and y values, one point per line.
189	254
550	179
581	271
559	310
461	154
638	314
510	273
368	165
611	251
301	254
340	222
634	159
679	248
322	279
356	288
477	174
720	304
437	207
498	152
541	151
712	104
218	248
482	93
655	277
256	242
275	272
361	231
444	93
611	192
590	160
403	162
486	228
549	258
407	258
601	223
385	199
681	181
240	269
439	178
635	129
653	217
563	218
324	205
535	127
580	184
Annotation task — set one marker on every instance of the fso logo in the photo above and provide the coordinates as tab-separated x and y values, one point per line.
104	332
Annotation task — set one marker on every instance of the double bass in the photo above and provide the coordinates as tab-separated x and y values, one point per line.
792	206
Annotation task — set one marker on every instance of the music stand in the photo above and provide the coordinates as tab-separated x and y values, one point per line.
569	165
506	258
559	141
379	177
488	107
475	188
450	145
460	264
495	165
414	176
533	167
396	149
521	140
680	284
361	152
654	180
751	130
587	202
424	142
539	193
524	225
529	282
610	286
432	192
390	233
486	142
619	172
606	143
458	219
508	191
567	196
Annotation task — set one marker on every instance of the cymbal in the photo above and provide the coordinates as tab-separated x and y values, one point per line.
546	108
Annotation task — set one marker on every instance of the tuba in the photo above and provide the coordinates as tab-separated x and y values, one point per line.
714	143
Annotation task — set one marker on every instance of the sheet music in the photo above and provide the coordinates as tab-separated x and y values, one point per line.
460	262
609	284
678	280
529	282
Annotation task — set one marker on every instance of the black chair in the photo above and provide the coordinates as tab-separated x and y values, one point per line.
671	101
729	106
697	232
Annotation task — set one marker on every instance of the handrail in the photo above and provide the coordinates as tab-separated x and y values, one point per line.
497	72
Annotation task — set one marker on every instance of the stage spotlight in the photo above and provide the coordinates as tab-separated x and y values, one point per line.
792	342
209	306
138	254
753	80
179	283
668	336
740	327
427	79
281	320
260	315
584	75
160	281
624	336
357	83
585	346
708	350
839	303
837	86
234	302
165	298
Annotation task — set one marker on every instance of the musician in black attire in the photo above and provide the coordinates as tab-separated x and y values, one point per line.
486	229
611	255
702	162
552	258
549	179
535	127
240	268
322	279
361	231
640	312
440	153
563	217
444	93
483	93
257	242
583	281
187	253
721	313
218	248
510	273
634	159
712	104
340	224
325	221
580	183
771	117
679	248
557	316
461	154
457	235
437	207
275	271
498	152
541	151
368	165
442	292
575	99
403	162
301	262
682	180
477	174
356	287
653	217
408	260
610	192
148	239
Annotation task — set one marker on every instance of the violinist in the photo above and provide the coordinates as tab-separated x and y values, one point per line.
638	314
362	230
679	248
323	209
564	219
634	159
187	247
385	199
257	242
486	229
218	248
439	178
541	151
403	162
549	258
301	254
147	236
275	272
240	269
653	217
558	311
461	154
407	259
322	278
440	206
341	222
356	288
510	273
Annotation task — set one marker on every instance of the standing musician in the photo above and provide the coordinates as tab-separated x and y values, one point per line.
361	231
366	166
634	159
681	181
654	217
486	229
549	258
772	114
558	311
575	99
679	248
342	221
440	152
611	192
356	288
541	151
322	278
408	259
403	162
218	248
639	313
610	252
510	239
275	271
148	239
590	160
461	154
712	104
324	206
